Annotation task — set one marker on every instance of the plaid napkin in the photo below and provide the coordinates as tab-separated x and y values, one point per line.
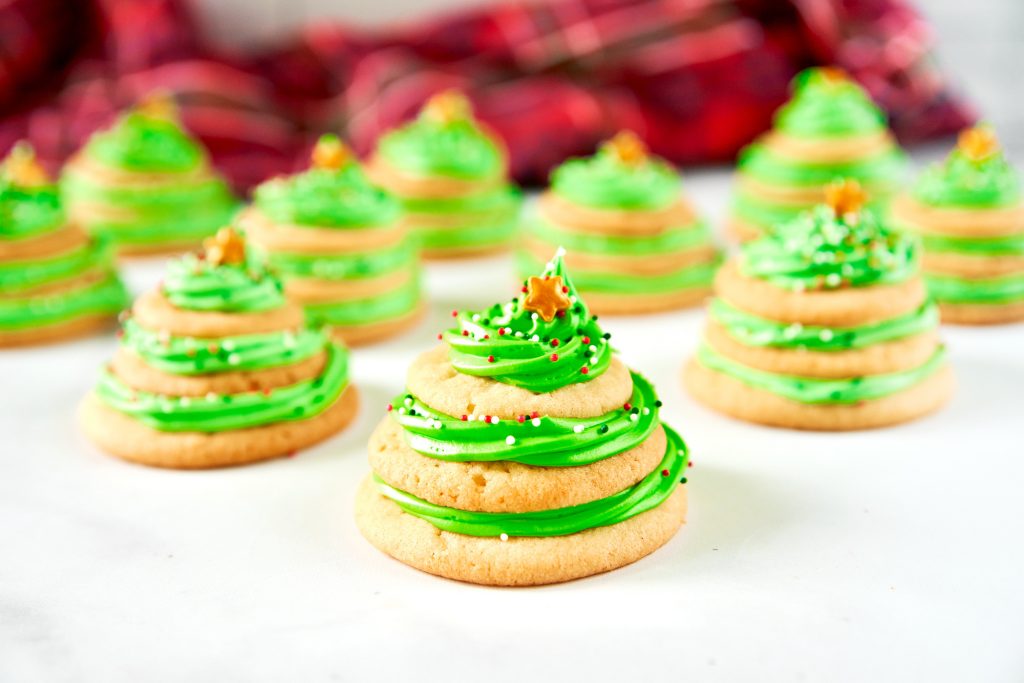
696	78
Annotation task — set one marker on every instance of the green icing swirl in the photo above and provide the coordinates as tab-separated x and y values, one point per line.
647	494
824	105
24	274
540	441
752	330
1009	245
178	355
959	290
821	391
603	181
962	181
323	197
224	412
699	275
819	250
106	297
387	306
882	172
513	345
28	211
429	146
672	239
138	142
194	284
349	266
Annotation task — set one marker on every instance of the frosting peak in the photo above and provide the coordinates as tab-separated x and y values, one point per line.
827	102
21	168
445	139
827	248
621	175
29	202
516	344
148	138
334	193
975	174
227	278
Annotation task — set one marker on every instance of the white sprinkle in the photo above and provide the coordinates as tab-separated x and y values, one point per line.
832	279
211	397
289	340
184	401
634	417
535	422
572	299
593	348
234	359
401	411
646	411
510	440
826	335
476	317
519	334
593	360
495	419
792	331
535	338
482	418
503	537
578	429
533	316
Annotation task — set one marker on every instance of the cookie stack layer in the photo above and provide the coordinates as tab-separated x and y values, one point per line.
829	130
633	243
969	214
451	176
217	368
146	184
823	324
522	452
341	246
55	280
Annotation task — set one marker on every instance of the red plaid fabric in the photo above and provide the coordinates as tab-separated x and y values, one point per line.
696	78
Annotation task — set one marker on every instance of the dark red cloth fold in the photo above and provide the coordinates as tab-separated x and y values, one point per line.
696	78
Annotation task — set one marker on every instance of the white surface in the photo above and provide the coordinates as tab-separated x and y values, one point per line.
892	555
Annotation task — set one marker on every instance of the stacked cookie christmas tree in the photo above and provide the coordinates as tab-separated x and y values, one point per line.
451	175
146	183
829	130
341	246
216	367
824	323
523	451
969	213
55	281
634	244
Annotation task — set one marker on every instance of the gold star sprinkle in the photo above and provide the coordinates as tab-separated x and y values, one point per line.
448	106
846	197
627	147
331	153
158	104
225	248
546	296
833	75
23	169
978	143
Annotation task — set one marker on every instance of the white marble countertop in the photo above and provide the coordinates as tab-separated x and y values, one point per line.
889	555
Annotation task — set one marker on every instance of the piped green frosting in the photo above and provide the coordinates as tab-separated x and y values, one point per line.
514	345
821	250
974	183
140	142
605	181
28	211
826	103
430	145
195	284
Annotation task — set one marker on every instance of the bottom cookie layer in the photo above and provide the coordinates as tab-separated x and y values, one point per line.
522	561
732	397
130	440
358	335
62	331
982	314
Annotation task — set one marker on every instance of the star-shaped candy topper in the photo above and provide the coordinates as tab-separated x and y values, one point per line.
227	247
331	153
448	107
627	148
546	296
833	75
846	197
23	169
978	143
158	104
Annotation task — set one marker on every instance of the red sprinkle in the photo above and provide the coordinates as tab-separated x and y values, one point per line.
586	340
627	406
213	348
554	342
535	414
554	356
440	336
565	290
525	290
390	407
689	463
560	314
490	359
521	418
465	333
664	473
487	336
465	418
501	331
455	313
585	370
266	392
